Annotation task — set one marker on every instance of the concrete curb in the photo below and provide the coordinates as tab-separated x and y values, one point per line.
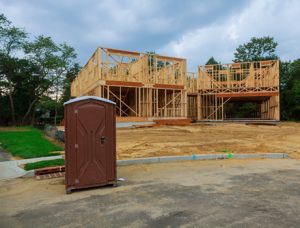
165	159
196	157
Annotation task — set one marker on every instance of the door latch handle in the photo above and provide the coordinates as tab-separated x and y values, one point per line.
103	139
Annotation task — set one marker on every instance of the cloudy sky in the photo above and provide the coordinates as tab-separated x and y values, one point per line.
195	30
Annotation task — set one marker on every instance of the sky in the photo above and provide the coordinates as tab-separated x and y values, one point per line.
195	30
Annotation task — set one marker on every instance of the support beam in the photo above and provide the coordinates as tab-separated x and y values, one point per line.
248	94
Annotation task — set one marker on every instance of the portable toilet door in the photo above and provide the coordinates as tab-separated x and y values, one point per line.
90	142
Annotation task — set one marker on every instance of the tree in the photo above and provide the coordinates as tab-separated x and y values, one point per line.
290	90
30	70
70	76
53	61
256	49
211	61
11	39
65	66
284	77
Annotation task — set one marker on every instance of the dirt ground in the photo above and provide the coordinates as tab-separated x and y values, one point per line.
222	193
208	138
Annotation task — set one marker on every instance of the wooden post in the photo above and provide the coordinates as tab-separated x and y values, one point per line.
120	94
99	91
173	104
139	102
107	92
136	100
156	100
165	111
147	101
150	103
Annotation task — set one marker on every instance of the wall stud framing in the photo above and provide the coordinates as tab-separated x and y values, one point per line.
148	85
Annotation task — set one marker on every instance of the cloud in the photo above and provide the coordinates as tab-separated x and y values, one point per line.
260	18
192	29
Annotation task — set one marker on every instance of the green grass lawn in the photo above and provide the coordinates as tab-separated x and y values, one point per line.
42	164
27	142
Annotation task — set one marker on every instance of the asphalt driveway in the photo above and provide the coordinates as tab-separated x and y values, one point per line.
228	193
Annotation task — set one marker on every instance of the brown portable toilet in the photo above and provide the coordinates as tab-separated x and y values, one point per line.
90	142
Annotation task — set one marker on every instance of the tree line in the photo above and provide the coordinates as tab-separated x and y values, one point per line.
36	74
